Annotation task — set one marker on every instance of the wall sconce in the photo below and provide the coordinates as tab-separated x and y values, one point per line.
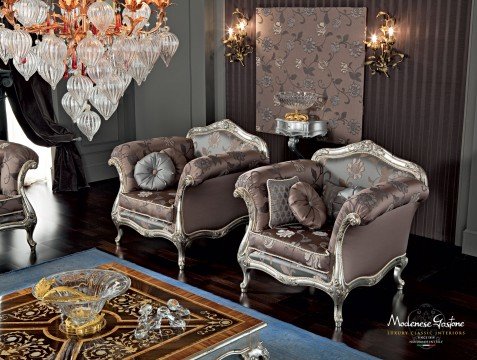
385	56
236	41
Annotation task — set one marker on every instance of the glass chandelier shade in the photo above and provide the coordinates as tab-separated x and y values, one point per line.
4	35
101	15
99	46
72	107
89	50
101	70
51	74
169	45
89	123
102	103
18	43
52	50
80	87
27	65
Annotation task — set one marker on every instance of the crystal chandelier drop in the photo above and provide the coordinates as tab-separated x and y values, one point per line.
98	45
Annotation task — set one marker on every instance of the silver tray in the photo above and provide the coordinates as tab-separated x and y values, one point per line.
306	129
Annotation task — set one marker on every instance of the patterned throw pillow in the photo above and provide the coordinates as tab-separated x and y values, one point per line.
307	206
155	171
278	191
179	161
335	196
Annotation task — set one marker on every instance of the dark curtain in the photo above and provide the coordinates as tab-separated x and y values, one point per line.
5	81
32	104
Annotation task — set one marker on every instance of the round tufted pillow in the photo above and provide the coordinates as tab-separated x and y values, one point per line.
307	206
179	160
155	171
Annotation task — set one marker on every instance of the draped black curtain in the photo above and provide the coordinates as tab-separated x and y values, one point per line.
5	81
32	104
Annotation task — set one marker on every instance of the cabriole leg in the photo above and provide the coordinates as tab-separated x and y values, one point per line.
181	255
119	235
30	229
397	273
246	279
338	310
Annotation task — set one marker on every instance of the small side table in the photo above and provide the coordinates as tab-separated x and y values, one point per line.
297	130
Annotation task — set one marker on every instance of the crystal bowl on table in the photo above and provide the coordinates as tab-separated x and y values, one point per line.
80	296
297	101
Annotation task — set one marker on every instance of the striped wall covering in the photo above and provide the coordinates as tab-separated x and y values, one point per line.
417	114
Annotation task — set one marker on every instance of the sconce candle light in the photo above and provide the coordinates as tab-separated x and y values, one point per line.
385	57
236	40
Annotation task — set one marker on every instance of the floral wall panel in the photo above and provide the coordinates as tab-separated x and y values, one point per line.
312	49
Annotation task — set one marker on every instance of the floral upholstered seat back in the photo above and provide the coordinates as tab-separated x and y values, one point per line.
364	170
12	157
219	142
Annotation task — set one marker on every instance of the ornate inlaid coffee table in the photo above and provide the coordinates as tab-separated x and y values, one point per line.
30	329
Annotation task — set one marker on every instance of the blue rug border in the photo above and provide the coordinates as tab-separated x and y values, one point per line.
203	293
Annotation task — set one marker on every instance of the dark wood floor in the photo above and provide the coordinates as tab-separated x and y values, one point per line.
437	274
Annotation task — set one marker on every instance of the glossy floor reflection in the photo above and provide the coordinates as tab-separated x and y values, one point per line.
437	274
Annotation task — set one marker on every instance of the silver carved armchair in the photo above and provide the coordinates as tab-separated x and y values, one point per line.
201	204
368	237
16	211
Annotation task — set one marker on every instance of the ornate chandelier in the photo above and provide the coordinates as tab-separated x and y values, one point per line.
98	45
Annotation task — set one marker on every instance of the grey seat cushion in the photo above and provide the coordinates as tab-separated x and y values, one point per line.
155	172
278	191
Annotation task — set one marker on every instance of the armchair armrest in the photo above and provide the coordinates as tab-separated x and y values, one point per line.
124	157
252	186
16	161
369	204
207	167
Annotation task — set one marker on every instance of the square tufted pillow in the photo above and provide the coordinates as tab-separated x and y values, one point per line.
307	206
335	196
278	191
155	172
179	161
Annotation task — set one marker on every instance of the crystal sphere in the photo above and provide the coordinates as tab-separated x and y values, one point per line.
173	304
